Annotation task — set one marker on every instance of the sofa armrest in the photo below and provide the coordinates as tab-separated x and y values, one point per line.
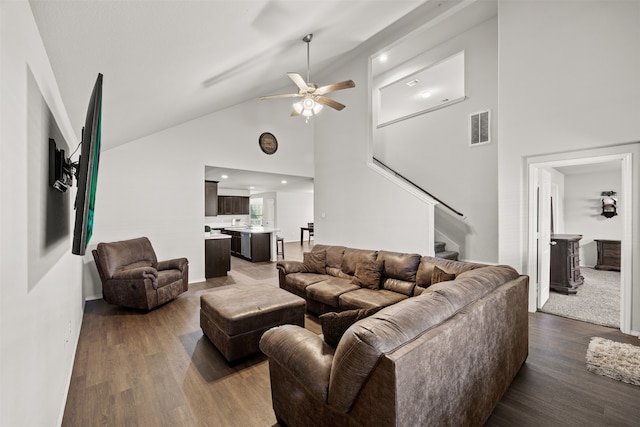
288	267
304	354
173	264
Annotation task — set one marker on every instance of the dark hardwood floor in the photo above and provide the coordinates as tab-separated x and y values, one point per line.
157	369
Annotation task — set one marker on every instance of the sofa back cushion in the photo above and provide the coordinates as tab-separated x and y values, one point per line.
425	269
314	262
333	257
368	274
351	258
116	256
399	273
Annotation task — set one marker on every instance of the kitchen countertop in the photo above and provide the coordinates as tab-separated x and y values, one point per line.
253	230
217	236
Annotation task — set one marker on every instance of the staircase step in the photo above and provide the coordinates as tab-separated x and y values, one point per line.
447	255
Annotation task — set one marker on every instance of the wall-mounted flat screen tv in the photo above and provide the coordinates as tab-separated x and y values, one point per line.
87	172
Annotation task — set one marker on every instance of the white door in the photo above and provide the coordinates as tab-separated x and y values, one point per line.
268	215
544	235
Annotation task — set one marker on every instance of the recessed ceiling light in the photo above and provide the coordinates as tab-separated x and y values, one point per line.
252	188
383	57
283	181
224	176
425	94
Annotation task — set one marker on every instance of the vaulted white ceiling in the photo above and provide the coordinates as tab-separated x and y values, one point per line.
167	62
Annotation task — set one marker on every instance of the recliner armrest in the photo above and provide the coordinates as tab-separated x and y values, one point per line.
173	264
136	273
304	354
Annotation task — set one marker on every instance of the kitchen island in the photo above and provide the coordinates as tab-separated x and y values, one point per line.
255	244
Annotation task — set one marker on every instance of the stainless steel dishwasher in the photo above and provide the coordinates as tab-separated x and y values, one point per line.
245	244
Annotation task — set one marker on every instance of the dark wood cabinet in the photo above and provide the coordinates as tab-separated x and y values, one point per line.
261	247
217	258
608	255
235	245
565	263
210	198
233	205
260	244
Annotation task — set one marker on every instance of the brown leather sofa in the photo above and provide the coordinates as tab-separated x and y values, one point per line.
133	277
443	355
330	287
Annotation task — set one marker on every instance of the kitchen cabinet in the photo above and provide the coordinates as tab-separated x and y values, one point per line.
210	198
261	247
255	247
235	245
608	255
217	258
233	205
565	263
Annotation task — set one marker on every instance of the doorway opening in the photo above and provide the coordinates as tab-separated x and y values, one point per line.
541	216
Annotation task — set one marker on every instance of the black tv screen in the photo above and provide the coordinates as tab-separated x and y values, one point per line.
87	172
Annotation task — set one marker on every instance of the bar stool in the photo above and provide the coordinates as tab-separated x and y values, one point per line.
281	241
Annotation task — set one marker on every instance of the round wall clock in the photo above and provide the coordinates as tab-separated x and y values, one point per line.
268	143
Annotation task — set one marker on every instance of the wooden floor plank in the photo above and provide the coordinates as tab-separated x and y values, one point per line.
134	368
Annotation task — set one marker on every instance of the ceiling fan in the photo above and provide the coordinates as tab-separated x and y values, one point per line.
312	96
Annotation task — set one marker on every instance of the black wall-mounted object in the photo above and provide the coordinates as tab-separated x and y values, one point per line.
60	168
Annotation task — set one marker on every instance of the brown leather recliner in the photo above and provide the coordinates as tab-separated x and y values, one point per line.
132	276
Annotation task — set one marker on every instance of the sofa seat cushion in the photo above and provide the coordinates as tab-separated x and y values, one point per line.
366	298
328	291
300	281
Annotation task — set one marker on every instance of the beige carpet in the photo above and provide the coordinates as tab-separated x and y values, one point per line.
614	360
597	300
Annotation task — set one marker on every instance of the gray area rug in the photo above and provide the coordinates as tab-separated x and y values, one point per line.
597	300
614	360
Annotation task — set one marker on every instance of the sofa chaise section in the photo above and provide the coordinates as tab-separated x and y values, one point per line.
443	357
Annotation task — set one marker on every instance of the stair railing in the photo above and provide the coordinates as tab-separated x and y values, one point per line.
407	180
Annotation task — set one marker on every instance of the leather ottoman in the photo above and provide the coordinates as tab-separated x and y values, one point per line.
234	317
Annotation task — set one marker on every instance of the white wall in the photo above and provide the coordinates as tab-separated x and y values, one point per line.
355	206
433	149
552	57
582	213
154	186
39	322
294	210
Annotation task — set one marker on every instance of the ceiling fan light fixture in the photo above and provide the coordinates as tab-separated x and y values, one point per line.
307	107
313	97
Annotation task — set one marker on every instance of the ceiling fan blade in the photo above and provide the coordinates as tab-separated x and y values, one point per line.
329	102
284	95
334	87
294	113
298	80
